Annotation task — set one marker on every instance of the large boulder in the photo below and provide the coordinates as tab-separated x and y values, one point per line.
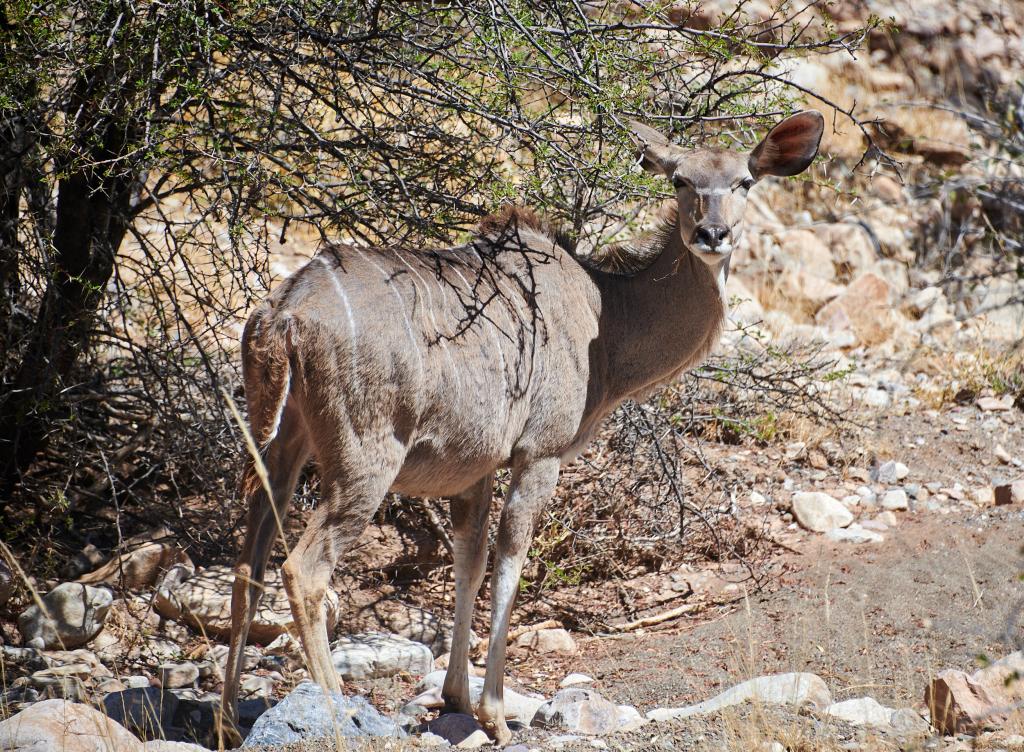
967	703
865	309
73	615
307	713
375	655
797	689
65	726
203	600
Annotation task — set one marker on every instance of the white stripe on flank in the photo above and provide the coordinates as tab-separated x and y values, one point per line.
429	305
348	312
279	413
401	307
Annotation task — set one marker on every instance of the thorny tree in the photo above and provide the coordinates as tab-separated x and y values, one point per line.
153	151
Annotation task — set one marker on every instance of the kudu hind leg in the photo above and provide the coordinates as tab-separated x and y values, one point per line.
346	506
532	485
469	543
284	460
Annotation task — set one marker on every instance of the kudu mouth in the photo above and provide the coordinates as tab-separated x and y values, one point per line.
711	241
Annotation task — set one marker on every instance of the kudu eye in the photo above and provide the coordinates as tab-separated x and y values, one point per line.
747	183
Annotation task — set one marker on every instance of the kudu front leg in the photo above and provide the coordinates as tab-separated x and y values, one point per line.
469	544
532	485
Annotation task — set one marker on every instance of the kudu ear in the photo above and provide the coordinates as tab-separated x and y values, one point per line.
655	149
790	147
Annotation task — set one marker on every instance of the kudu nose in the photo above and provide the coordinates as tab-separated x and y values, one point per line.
711	235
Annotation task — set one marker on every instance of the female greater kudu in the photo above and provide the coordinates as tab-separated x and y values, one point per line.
424	372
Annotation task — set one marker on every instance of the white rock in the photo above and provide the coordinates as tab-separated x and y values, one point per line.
892	472
74	615
374	655
67	727
776	689
854	534
895	499
863	711
574	679
518	707
820	512
177	675
867	497
887	518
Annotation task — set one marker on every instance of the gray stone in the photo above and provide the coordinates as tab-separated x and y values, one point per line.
307	713
6	583
177	675
895	499
374	655
892	472
454	727
578	711
146	711
74	615
907	720
820	512
776	689
256	686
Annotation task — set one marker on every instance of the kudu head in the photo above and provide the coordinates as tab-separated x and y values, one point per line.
711	184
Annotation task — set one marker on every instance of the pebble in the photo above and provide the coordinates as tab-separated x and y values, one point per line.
855	533
867	497
892	472
895	499
177	675
889	519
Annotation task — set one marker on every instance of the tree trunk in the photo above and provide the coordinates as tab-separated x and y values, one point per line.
92	218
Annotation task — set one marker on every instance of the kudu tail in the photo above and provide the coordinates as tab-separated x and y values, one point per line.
267	344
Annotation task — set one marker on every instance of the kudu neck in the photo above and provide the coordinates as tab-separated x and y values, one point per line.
663	319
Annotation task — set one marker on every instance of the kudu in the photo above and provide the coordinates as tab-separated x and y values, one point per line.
424	372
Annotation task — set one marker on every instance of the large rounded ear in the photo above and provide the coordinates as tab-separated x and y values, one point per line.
655	149
790	147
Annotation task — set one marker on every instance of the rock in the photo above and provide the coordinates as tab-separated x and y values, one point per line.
454	727
865	308
544	641
574	679
374	655
849	244
995	404
907	721
957	703
141	567
892	472
176	675
307	713
420	625
1012	493
74	615
85	560
64	682
776	689
204	601
895	499
160	745
578	711
65	726
6	583
518	707
888	519
863	711
147	711
256	686
855	534
820	512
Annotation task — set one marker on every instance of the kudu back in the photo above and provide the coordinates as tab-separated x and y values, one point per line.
424	372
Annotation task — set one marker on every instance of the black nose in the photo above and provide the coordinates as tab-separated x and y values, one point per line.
711	235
